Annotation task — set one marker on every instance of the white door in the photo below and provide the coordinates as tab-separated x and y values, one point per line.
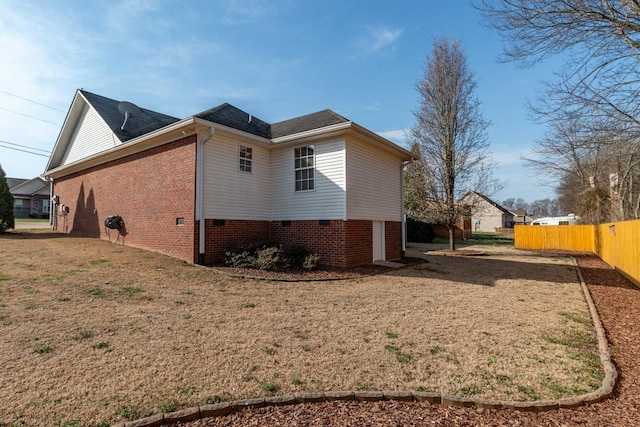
378	240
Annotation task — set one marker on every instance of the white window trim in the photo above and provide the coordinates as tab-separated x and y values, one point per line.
311	168
249	160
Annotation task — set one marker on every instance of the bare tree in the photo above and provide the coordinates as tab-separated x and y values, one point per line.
593	106
450	137
599	40
596	166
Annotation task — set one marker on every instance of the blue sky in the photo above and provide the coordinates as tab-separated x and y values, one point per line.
273	59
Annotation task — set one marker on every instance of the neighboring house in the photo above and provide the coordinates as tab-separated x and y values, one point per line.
487	215
191	188
31	197
520	217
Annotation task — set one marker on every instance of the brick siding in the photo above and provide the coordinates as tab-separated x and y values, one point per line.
149	190
393	240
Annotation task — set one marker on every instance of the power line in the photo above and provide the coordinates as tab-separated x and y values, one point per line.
32	101
26	146
31	117
24	151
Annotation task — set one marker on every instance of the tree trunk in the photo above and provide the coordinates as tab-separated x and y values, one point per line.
452	238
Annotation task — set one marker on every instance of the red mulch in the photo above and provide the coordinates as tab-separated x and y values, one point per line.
618	303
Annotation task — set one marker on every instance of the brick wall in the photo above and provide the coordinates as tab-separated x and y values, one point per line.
338	243
221	234
327	240
150	190
393	239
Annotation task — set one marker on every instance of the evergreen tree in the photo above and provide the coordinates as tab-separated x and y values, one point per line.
6	204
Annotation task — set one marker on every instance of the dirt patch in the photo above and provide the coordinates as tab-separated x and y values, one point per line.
93	332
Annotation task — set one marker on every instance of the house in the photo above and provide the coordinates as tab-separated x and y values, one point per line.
520	217
487	215
31	197
192	187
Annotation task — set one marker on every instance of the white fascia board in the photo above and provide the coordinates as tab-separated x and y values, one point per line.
64	130
296	137
133	146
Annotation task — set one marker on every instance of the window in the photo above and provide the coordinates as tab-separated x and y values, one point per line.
304	166
45	206
246	155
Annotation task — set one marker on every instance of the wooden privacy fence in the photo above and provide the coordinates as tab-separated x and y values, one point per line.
617	244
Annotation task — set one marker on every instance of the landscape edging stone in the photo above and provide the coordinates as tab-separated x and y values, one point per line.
603	392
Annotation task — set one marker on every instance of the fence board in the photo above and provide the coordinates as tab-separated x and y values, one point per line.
617	244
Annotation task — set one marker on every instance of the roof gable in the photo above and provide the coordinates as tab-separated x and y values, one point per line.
486	200
147	121
93	124
305	123
30	186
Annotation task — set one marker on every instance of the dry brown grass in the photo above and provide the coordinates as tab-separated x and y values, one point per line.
94	332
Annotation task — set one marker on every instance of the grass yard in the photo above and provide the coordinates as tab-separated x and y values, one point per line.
93	333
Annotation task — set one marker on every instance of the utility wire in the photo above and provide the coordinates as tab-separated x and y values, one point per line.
31	117
26	146
19	149
33	102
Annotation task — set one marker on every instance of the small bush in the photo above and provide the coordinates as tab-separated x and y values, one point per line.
272	257
419	232
239	257
296	254
310	262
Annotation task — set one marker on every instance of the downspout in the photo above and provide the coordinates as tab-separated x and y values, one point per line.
52	207
200	192
403	215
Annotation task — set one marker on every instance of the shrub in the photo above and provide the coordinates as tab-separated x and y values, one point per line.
310	262
271	257
296	254
240	257
419	232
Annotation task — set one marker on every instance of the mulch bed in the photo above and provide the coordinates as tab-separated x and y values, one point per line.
618	303
313	275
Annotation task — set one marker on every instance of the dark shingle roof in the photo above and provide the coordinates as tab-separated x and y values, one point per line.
13	182
228	115
224	114
304	123
146	122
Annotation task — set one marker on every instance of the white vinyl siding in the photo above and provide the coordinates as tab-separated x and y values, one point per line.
229	193
326	201
374	183
90	136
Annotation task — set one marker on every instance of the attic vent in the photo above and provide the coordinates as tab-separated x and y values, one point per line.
128	109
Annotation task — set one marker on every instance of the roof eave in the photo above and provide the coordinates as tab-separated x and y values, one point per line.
133	146
313	133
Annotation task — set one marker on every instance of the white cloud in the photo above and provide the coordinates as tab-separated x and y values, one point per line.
377	40
373	107
399	136
239	12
